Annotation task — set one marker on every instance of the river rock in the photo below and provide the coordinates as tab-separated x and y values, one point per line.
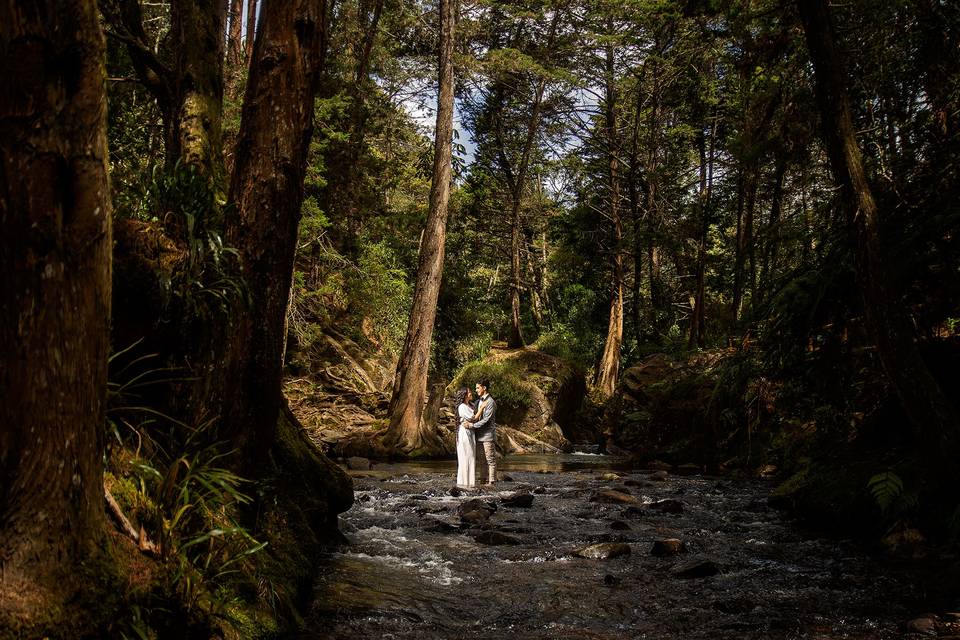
356	463
924	626
619	525
696	569
440	526
610	580
495	538
667	547
521	499
455	491
477	504
604	551
621	488
658	476
667	506
476	518
609	496
540	490
610	477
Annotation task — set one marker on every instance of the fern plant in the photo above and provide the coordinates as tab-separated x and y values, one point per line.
887	490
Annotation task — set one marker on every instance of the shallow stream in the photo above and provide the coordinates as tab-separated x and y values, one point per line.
413	570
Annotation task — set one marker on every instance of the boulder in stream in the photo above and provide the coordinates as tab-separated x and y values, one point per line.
667	506
658	476
357	463
609	496
495	538
477	504
696	569
520	499
604	551
668	547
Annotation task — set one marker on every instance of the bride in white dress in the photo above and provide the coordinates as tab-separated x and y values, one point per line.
466	441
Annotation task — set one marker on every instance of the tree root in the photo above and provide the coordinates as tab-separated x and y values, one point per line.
145	545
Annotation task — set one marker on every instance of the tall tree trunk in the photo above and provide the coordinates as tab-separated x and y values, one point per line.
609	368
251	36
698	323
771	253
407	432
235	34
515	339
195	137
920	394
267	192
54	309
358	120
736	303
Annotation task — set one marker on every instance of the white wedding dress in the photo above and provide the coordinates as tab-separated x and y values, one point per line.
466	449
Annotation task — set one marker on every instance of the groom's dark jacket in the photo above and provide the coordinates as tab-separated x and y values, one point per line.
485	428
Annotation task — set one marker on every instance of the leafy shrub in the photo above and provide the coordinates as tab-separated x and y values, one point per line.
506	384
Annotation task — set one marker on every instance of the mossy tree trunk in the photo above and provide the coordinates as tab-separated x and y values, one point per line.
187	84
54	308
920	395
266	192
195	134
407	431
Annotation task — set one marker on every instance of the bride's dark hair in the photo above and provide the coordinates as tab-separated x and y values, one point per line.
461	396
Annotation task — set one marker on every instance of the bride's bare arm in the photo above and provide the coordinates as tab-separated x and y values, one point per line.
479	413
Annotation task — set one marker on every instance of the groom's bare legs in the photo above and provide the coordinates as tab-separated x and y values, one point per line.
490	453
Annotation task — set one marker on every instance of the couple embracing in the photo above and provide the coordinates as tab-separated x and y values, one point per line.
477	426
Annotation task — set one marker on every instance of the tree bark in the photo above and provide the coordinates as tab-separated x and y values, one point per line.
698	324
922	399
195	137
54	309
235	34
251	28
407	432
609	369
266	192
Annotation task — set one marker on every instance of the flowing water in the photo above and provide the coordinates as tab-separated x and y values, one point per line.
412	570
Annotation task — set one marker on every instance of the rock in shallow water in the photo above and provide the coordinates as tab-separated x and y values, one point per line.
667	506
604	551
495	538
619	525
476	504
659	476
609	496
667	547
922	626
356	463
696	569
520	499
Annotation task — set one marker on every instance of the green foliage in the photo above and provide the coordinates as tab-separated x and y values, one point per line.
888	492
382	293
506	383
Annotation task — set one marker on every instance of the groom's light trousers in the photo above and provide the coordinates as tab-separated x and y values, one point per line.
490	454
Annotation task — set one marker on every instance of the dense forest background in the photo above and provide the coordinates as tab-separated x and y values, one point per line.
750	205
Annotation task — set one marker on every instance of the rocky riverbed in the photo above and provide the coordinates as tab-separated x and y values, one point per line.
578	546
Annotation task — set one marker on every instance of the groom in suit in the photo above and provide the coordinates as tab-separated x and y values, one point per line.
485	429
